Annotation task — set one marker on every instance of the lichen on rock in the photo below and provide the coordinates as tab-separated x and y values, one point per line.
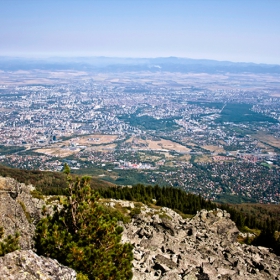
26	265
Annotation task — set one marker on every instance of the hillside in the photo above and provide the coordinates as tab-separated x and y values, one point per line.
165	245
249	217
264	217
47	182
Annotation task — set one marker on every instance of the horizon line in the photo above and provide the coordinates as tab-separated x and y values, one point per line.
52	56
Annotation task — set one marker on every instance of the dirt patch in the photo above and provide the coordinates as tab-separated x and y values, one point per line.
161	145
185	158
58	152
102	148
89	140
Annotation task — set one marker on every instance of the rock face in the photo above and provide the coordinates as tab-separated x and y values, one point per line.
19	211
204	247
26	265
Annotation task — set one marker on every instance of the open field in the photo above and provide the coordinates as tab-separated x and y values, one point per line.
105	143
40	77
161	145
96	142
58	152
184	158
212	81
103	148
89	140
203	158
214	149
268	139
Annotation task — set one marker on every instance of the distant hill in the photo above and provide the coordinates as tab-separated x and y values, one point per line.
112	64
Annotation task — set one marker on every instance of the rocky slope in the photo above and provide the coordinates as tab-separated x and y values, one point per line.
19	211
166	246
26	265
204	247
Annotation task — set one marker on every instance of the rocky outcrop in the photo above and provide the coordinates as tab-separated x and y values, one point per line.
26	265
19	211
166	246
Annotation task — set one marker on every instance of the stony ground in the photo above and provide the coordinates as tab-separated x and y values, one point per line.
166	246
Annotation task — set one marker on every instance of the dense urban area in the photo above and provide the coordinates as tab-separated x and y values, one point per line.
217	135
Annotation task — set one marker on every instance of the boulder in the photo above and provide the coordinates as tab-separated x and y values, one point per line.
26	265
204	247
19	211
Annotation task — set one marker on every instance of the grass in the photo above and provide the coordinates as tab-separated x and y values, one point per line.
27	214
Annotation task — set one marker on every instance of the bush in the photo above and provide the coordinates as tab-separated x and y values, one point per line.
9	244
84	236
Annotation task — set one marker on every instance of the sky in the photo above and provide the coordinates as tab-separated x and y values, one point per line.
232	30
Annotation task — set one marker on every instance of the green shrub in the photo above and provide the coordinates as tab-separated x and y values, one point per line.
81	276
85	236
37	194
135	211
9	244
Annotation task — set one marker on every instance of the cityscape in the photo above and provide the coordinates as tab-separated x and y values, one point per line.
211	134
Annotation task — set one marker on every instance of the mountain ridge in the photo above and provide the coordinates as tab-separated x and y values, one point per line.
157	64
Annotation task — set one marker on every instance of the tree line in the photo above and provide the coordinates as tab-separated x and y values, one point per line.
187	203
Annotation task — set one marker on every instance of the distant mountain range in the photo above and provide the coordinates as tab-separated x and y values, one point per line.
112	64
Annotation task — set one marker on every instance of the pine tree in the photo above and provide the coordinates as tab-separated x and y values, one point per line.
84	236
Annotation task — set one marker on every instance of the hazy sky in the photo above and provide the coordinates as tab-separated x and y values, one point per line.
235	30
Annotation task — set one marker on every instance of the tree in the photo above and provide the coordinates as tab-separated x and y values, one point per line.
66	169
84	236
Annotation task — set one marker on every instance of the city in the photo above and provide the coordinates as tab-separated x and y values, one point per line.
211	134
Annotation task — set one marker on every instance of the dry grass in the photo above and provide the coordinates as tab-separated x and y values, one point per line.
57	152
102	148
95	142
214	149
268	139
95	139
185	158
203	158
162	144
89	140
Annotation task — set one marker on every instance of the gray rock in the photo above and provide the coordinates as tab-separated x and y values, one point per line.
26	265
19	211
204	247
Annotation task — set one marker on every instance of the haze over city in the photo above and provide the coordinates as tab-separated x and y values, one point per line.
239	31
